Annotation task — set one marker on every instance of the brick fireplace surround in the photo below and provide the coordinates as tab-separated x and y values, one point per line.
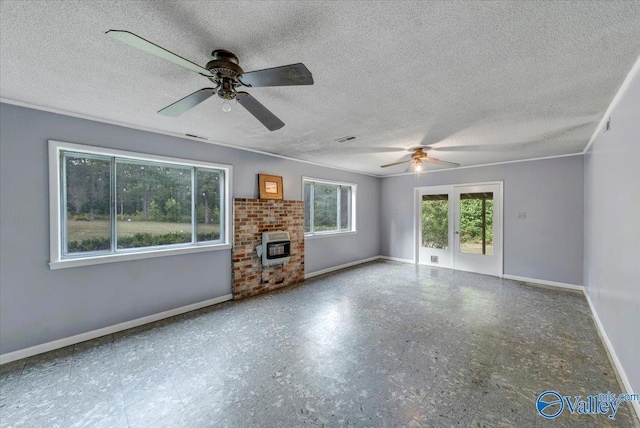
251	217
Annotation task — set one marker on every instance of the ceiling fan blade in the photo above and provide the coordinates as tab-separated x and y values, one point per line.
395	163
260	112
287	75
190	101
439	162
147	46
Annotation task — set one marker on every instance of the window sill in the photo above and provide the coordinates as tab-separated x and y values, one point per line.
112	258
329	234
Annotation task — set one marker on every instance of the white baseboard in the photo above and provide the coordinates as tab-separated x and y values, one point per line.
397	259
544	282
61	343
612	354
344	266
72	340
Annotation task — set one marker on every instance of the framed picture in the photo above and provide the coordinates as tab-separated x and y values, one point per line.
270	186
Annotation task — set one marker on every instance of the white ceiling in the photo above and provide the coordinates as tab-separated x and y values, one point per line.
479	82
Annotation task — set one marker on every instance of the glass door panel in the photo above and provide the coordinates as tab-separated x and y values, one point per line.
435	221
434	224
476	223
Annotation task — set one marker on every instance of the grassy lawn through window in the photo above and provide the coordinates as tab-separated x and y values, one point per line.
95	235
80	230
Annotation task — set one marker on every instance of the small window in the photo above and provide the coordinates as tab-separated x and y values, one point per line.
108	203
329	207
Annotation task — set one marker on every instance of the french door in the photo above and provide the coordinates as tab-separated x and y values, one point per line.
460	227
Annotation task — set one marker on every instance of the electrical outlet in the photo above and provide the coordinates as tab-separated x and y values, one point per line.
522	215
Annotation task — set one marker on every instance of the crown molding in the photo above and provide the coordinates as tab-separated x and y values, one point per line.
173	134
217	143
616	99
485	164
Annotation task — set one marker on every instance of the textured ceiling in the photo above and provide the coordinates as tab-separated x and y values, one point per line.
478	82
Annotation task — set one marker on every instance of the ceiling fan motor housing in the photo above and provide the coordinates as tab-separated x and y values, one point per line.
418	154
225	69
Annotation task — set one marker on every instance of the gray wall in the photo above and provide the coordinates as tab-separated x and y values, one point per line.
612	230
546	245
38	305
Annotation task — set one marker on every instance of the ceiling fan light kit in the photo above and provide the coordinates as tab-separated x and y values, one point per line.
225	73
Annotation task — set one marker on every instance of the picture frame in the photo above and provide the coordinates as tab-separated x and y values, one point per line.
270	186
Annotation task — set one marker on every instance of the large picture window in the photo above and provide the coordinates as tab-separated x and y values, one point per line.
329	207
110	204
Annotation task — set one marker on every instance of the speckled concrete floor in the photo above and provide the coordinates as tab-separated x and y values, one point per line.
383	344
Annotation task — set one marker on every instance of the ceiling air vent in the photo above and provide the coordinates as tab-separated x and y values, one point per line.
196	136
345	139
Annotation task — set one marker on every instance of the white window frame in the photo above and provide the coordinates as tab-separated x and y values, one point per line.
57	261
354	191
